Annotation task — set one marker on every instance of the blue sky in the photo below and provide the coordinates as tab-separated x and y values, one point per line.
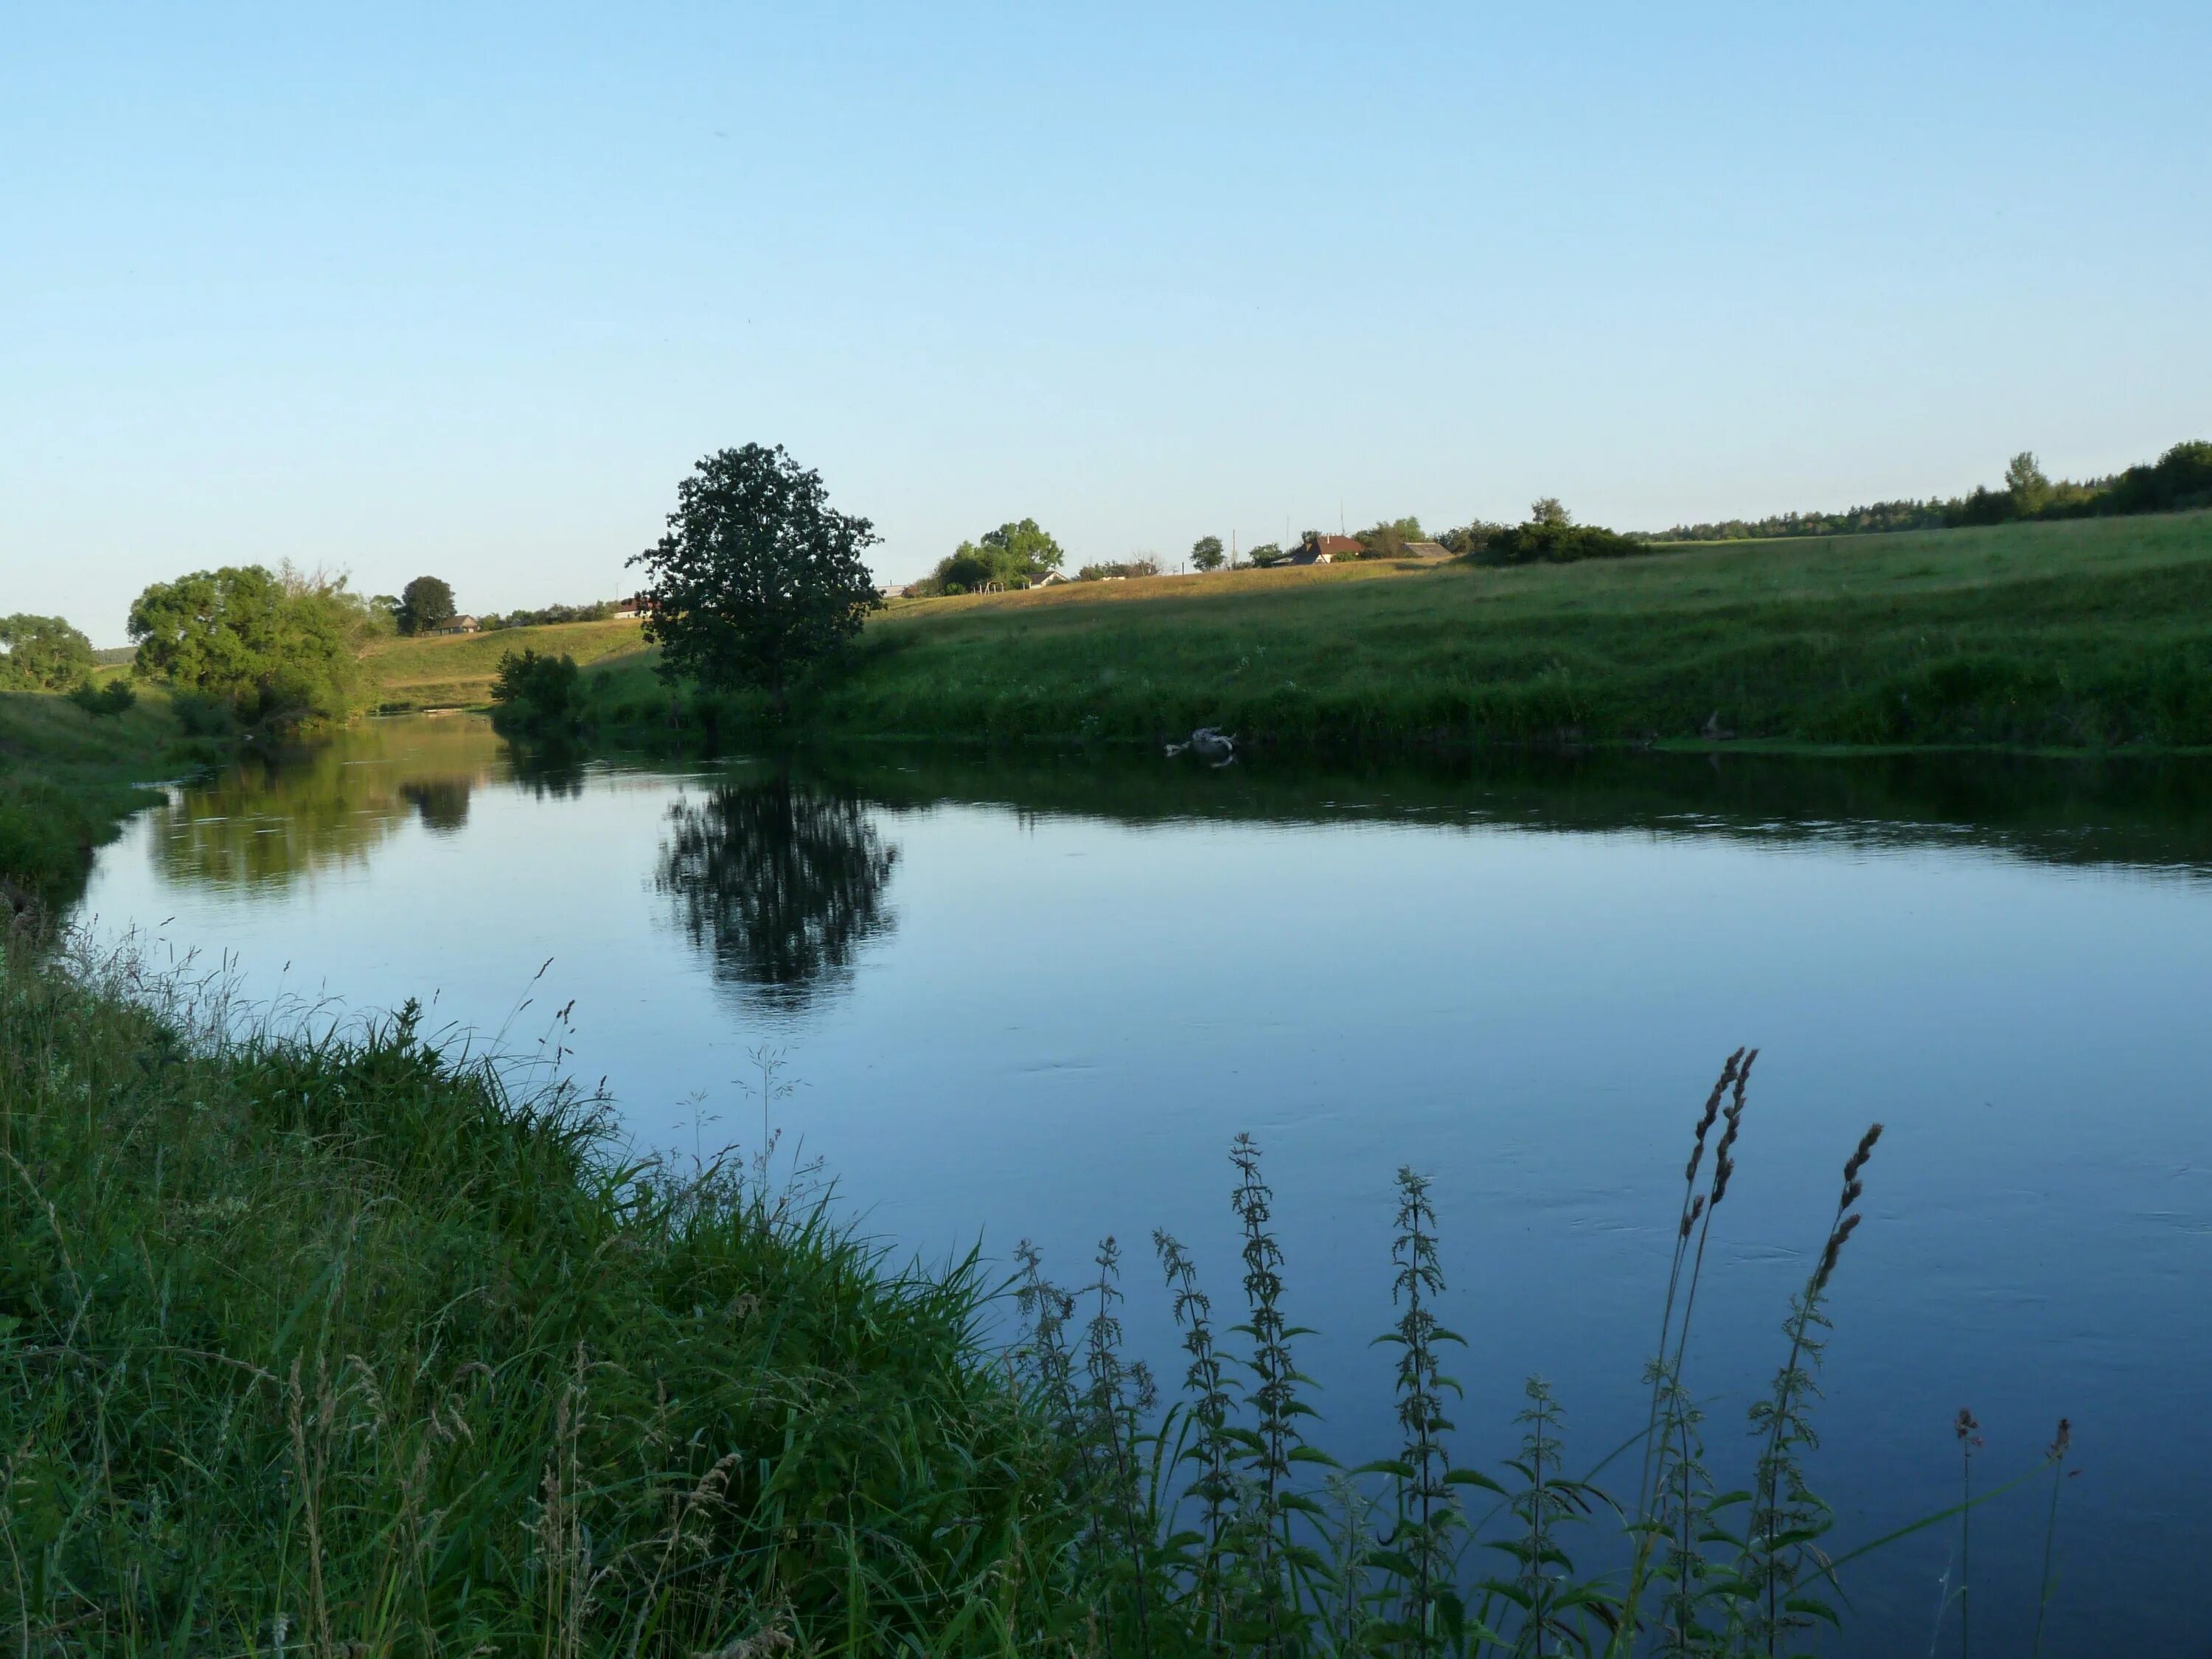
466	290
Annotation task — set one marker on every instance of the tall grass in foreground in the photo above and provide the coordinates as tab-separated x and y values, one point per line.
333	1345
324	1345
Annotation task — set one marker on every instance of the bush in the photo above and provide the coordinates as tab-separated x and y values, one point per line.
1541	543
538	693
113	698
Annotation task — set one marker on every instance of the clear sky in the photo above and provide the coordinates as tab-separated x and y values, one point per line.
464	290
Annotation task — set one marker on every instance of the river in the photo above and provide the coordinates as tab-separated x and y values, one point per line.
1036	998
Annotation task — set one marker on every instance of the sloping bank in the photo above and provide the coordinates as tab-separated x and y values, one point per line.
2087	634
69	778
335	1344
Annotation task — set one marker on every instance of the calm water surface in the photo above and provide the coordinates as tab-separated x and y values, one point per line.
1036	1000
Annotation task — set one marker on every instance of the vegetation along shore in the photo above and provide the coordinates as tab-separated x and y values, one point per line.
2081	634
333	1342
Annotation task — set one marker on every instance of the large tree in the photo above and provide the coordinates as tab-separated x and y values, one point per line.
42	654
279	647
758	577
424	604
1206	553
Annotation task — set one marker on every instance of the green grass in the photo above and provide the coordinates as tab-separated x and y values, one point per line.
68	779
338	1335
334	1344
455	671
2078	635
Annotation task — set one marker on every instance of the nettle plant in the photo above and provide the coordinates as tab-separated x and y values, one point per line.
1214	1526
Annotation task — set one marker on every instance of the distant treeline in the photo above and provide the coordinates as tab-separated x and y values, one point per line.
552	613
2179	479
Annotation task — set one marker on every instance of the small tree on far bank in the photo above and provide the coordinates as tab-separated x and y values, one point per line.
425	604
1206	553
2026	484
758	577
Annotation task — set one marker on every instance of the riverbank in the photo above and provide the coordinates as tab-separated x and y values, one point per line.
69	778
2080	635
341	1336
236	1200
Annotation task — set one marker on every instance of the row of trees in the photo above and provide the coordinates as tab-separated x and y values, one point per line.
2179	479
275	647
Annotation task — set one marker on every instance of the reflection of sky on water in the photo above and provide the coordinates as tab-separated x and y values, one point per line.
1036	1023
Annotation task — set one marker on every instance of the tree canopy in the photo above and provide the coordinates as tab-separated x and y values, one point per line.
424	604
536	693
41	654
1552	536
1206	553
278	647
1014	555
758	578
1142	564
1388	538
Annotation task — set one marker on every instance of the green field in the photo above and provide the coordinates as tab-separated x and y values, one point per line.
2082	635
455	671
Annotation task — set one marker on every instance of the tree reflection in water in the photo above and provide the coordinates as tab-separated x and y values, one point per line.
778	885
443	803
271	818
551	771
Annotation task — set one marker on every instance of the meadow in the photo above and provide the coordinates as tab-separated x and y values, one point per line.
2075	635
455	671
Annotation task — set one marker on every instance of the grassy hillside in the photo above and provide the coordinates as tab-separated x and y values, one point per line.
455	671
68	779
2086	634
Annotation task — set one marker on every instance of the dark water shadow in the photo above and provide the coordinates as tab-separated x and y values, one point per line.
2135	813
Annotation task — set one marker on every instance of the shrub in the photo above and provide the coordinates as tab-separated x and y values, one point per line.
113	698
1543	543
538	693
